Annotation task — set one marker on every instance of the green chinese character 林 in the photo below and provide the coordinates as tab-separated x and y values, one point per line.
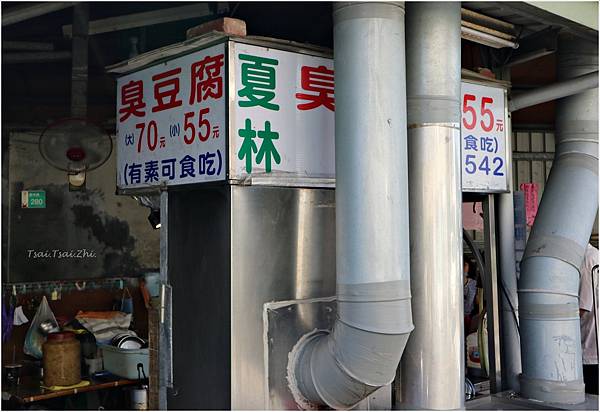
258	81
267	148
248	146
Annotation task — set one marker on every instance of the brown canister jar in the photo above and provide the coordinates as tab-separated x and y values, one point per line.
62	360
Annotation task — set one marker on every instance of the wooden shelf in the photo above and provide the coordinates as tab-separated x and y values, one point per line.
30	390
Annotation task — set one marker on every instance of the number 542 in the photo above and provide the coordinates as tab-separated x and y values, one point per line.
484	165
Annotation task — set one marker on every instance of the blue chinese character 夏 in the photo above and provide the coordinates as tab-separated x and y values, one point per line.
187	167
135	173
470	143
151	171
168	168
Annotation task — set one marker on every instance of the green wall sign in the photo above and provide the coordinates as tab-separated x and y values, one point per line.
33	199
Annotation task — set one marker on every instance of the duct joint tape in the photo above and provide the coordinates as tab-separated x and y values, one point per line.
554	246
554	311
373	291
566	392
573	158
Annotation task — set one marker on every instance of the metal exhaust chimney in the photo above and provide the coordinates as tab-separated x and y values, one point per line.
554	91
361	354
548	287
433	369
509	303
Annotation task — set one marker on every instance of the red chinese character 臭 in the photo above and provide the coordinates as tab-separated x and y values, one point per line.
318	80
165	91
206	79
132	100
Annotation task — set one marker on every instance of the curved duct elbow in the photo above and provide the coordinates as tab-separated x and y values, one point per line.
361	354
342	367
549	283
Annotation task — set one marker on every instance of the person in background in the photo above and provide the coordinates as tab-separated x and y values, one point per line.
588	313
469	293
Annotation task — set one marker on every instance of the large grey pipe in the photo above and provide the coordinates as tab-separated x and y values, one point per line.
433	370
361	354
511	351
548	286
554	91
509	303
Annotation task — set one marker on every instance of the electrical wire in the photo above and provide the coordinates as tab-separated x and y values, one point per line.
478	257
470	390
495	53
483	272
512	308
234	9
511	51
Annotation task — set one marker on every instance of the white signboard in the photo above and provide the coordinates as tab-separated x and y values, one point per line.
282	114
483	139
171	126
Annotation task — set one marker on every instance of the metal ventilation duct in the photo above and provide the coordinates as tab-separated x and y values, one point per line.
361	354
549	282
433	368
554	91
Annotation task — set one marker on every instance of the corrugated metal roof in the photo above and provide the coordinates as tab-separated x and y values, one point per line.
528	18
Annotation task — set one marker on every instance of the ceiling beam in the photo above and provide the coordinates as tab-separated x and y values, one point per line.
486	39
149	18
35	57
18	14
26	45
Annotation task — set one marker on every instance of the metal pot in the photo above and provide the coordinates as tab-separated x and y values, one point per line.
115	340
126	341
131	342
